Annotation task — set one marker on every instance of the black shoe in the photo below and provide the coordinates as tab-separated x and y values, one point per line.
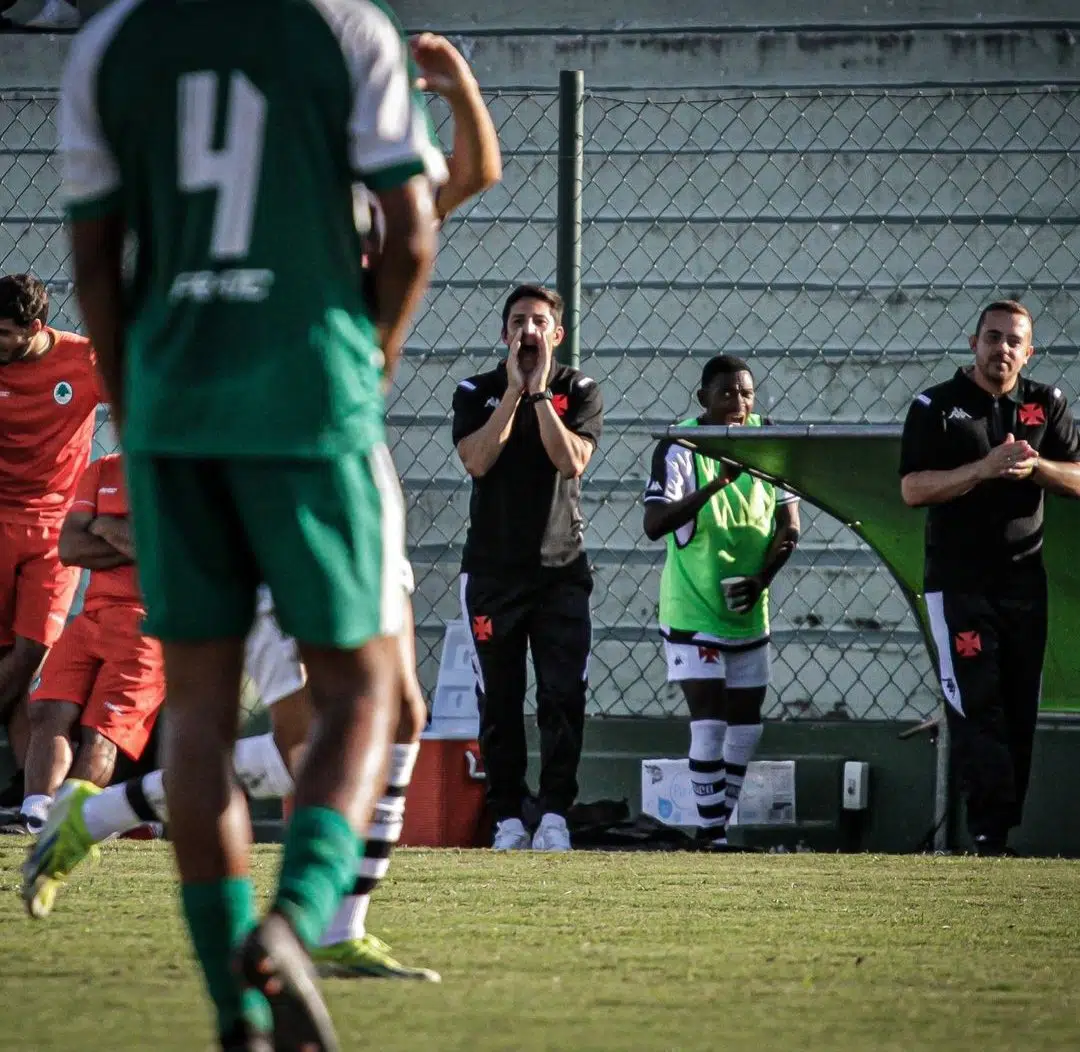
243	1039
993	847
17	824
13	794
273	961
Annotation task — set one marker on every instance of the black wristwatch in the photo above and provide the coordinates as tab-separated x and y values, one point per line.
540	396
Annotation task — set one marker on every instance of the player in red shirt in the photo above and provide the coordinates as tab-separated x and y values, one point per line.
48	394
104	681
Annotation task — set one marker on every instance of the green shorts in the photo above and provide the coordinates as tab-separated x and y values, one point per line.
327	536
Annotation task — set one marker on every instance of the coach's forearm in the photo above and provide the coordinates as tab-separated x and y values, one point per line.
480	450
938	487
1058	476
569	452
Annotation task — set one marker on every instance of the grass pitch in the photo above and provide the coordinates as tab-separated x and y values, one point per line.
592	951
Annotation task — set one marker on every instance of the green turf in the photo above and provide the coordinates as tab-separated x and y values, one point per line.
597	951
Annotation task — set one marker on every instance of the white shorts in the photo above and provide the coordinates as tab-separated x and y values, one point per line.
272	659
710	658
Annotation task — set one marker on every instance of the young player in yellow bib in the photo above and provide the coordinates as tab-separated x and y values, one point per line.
728	534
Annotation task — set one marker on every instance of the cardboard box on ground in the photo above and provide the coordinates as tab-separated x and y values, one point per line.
767	798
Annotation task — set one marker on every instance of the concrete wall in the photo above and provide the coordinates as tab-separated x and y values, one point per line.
843	239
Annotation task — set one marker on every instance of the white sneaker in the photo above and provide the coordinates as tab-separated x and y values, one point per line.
552	834
510	835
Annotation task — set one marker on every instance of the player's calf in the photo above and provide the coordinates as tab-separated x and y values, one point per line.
95	760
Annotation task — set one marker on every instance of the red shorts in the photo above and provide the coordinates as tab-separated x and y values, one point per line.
105	664
35	590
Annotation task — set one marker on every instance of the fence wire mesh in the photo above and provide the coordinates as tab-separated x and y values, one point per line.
842	241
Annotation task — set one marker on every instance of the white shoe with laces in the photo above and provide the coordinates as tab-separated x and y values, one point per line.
552	834
510	835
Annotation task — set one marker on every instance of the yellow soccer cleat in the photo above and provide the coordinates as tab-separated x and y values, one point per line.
62	844
366	958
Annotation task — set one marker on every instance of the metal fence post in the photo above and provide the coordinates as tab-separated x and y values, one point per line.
568	240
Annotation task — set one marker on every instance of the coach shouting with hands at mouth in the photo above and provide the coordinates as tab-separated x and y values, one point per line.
978	451
525	432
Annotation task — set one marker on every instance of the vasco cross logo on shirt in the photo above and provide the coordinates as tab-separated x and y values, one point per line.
560	403
62	393
1032	414
968	644
481	628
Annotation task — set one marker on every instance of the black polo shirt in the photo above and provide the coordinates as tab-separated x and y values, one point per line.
523	514
990	539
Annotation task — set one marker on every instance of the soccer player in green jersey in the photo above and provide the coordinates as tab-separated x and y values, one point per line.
245	367
265	765
728	534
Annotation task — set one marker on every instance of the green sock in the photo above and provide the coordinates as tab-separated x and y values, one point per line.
219	915
317	868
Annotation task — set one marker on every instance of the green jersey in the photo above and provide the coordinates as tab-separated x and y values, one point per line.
229	134
729	537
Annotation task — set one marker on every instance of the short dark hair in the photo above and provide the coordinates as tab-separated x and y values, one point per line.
1010	307
722	365
534	292
22	299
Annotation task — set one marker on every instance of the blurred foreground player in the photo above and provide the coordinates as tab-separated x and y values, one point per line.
266	764
230	155
48	394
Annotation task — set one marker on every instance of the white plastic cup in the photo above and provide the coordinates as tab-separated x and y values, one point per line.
728	584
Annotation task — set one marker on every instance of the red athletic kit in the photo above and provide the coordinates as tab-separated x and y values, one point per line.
103	661
47	409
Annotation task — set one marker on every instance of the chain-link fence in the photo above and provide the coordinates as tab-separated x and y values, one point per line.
842	241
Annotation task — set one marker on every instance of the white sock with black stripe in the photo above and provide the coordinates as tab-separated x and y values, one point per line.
383	833
740	744
708	777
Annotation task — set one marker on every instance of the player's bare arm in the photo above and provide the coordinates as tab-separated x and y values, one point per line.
662	518
784	541
404	264
97	251
79	545
116	530
476	162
